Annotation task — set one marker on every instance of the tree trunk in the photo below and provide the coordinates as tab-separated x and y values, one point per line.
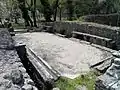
60	14
25	15
55	12
70	9
16	21
34	14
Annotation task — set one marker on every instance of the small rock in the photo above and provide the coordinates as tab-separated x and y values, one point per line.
15	87
7	83
17	77
26	75
27	87
56	88
2	88
19	64
81	87
6	76
29	81
34	88
22	69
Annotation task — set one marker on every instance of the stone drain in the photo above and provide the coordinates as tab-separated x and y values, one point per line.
40	72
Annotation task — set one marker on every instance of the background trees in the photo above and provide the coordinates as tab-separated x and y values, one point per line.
52	9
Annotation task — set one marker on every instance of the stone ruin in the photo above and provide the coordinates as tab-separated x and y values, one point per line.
13	75
111	79
98	34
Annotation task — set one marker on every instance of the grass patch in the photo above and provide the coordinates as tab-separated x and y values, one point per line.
87	80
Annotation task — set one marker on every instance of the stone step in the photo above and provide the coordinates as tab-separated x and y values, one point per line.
94	39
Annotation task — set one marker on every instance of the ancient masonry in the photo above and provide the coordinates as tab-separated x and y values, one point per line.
103	35
111	79
13	75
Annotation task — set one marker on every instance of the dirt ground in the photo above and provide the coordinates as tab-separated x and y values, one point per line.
68	57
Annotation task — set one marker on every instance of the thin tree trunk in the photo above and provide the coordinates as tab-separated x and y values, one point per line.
34	14
25	14
56	6
16	21
60	14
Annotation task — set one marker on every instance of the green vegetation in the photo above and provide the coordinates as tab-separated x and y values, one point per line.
87	80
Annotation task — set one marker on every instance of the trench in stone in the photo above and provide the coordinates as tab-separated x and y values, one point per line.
31	70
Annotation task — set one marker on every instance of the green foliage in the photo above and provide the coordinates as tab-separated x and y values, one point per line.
83	7
70	9
87	80
107	7
47	11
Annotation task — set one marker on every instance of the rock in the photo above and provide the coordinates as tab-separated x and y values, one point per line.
17	77
22	69
110	80
29	81
2	88
7	84
116	54
56	88
27	87
34	88
19	64
26	75
15	87
6	76
81	88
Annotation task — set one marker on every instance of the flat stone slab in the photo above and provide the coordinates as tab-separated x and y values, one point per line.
68	57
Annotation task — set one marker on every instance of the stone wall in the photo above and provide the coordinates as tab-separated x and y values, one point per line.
13	75
86	27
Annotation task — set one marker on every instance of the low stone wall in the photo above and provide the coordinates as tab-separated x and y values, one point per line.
13	75
86	27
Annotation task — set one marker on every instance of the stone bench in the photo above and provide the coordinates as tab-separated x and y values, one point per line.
94	39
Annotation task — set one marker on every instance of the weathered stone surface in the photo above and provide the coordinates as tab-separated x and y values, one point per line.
29	81
17	77
27	87
22	69
34	88
26	75
15	87
6	41
11	78
111	79
7	84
